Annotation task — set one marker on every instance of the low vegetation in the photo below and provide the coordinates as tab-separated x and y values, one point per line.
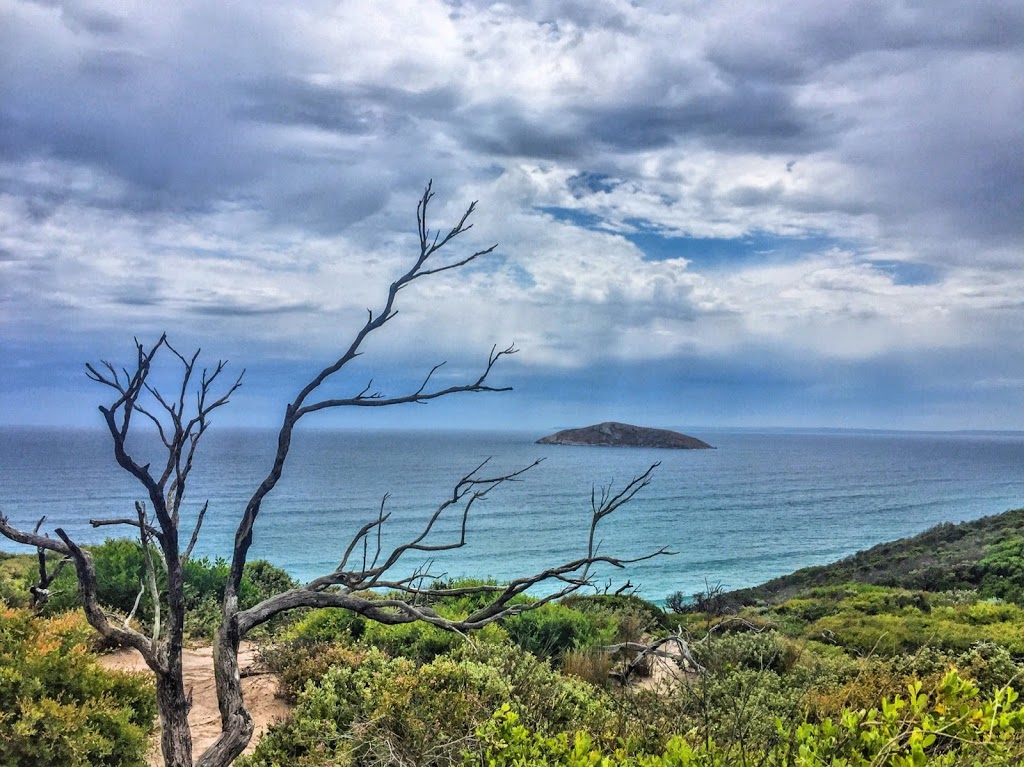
57	707
982	555
844	665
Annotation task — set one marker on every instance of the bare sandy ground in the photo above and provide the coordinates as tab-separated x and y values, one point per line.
260	691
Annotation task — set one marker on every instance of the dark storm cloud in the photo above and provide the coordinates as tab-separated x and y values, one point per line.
114	65
796	41
253	310
930	108
505	133
351	109
746	115
79	17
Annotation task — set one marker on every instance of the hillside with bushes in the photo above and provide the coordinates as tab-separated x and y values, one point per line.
874	660
984	555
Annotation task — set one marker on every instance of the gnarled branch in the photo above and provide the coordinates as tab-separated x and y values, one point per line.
346	587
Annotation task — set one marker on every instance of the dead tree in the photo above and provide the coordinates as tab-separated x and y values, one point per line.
40	590
364	580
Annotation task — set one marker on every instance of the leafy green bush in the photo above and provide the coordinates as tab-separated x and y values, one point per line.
120	567
756	651
552	630
620	607
205	582
366	712
369	709
946	628
465	604
58	707
548	700
948	727
1001	571
330	624
17	573
419	642
298	663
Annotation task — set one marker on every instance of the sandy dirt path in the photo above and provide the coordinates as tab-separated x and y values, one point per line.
260	692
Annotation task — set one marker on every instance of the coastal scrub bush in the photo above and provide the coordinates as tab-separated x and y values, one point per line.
549	701
380	709
58	707
371	709
949	726
204	586
739	708
554	629
756	651
17	573
620	607
467	603
876	620
119	569
331	624
1001	571
120	565
946	628
297	663
419	642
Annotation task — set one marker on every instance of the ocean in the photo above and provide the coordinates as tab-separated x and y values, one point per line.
763	504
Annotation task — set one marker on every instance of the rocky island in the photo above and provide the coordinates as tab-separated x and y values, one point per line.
611	434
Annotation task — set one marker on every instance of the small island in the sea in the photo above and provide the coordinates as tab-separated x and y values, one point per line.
612	434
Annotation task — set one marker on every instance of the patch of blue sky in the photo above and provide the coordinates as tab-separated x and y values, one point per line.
590	182
706	252
576	217
731	251
755	247
907	272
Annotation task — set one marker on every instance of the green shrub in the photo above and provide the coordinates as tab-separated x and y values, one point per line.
58	707
330	624
369	709
298	663
552	630
619	606
204	586
948	727
1001	571
366	712
548	700
756	651
417	641
120	566
119	569
465	604
17	573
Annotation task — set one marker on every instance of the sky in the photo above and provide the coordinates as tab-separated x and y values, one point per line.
797	214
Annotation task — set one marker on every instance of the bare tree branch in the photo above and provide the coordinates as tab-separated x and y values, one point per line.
125	521
40	591
150	570
420	395
571	575
181	412
375	320
195	533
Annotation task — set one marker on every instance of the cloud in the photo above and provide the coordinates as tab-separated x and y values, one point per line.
250	174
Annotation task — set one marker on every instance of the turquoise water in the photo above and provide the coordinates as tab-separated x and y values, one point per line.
762	504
